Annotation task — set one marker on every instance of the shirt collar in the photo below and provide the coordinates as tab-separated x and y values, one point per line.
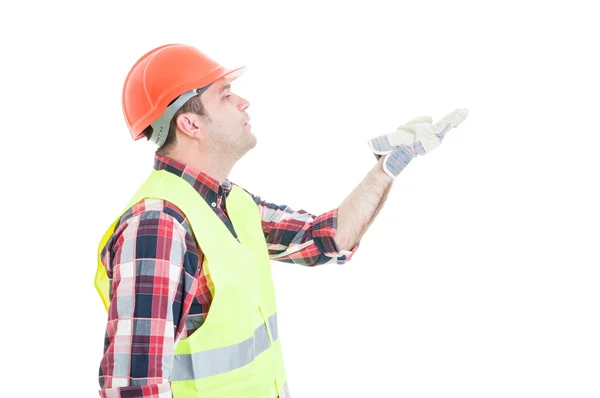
208	187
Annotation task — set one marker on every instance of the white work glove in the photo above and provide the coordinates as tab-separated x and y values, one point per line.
416	137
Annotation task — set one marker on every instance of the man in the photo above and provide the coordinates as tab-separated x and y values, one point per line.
184	271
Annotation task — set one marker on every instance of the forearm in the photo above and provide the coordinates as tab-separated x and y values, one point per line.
359	209
379	207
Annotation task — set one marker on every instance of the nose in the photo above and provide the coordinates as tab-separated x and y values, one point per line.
243	104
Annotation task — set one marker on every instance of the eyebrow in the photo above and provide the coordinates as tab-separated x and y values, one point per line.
225	87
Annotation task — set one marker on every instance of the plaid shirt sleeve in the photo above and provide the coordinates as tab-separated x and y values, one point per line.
153	265
296	236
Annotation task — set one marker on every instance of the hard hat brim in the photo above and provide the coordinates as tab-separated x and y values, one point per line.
232	74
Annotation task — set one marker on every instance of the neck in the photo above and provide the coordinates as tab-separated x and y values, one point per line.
215	165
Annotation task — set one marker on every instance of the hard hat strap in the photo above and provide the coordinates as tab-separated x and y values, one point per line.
160	128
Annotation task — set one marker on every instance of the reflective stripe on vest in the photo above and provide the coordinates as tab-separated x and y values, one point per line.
224	359
285	392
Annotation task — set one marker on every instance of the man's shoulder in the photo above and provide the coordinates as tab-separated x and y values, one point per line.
149	217
145	228
152	208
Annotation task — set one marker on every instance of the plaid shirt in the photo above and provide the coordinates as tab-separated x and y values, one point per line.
159	290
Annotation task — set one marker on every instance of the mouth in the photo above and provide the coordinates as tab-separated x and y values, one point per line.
247	123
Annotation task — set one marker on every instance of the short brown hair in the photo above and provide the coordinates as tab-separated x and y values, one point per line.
193	105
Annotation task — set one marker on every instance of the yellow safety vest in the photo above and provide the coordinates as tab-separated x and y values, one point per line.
236	353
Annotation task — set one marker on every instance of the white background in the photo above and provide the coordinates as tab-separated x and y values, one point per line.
480	277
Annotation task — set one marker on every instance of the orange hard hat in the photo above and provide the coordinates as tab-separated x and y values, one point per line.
167	73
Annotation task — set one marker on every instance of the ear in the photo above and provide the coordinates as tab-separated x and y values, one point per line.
190	124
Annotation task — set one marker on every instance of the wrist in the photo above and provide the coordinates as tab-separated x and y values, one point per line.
379	173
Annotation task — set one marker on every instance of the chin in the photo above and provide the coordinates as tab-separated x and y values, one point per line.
250	143
251	137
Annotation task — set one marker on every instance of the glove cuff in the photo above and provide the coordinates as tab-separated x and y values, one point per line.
380	145
397	160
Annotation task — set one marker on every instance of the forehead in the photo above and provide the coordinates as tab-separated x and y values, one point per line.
217	87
